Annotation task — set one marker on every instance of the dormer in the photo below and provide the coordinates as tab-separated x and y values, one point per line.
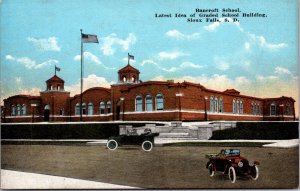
55	84
128	74
232	91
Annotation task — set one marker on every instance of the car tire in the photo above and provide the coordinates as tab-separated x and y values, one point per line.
211	169
112	144
232	174
147	145
254	173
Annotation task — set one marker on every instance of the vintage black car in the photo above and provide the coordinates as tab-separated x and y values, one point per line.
133	136
230	163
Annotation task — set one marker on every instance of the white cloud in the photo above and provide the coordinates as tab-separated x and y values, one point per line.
247	46
44	44
144	62
90	81
89	57
263	78
262	42
9	57
18	80
110	41
221	64
190	65
215	25
33	91
170	55
31	64
180	36
281	70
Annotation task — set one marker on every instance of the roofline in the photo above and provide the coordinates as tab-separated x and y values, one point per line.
94	88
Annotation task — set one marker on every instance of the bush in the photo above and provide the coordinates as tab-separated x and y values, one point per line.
260	131
61	130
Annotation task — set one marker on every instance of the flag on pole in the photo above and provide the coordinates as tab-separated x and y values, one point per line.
57	69
89	38
130	57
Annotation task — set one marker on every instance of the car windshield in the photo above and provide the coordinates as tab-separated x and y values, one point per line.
232	152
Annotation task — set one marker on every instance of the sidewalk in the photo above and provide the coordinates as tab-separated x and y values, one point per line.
23	180
161	141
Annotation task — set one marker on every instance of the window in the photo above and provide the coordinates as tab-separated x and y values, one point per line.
108	106
216	109
221	105
18	109
83	109
211	104
138	103
23	110
13	110
287	109
273	109
237	106
149	104
252	108
233	106
159	102
102	107
77	109
90	109
241	106
124	79
61	111
258	109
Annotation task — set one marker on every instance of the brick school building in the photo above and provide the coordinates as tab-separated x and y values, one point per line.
133	100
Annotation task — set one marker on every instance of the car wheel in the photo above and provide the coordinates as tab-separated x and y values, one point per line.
211	169
112	144
147	146
232	174
254	173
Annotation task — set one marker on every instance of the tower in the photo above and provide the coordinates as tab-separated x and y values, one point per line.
128	74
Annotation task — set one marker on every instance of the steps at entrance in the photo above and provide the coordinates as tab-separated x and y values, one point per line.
174	135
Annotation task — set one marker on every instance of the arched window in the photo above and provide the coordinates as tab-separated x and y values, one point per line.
211	104
83	109
23	110
233	106
18	109
241	106
138	103
159	102
90	109
77	109
252	108
102	107
237	106
216	109
258	109
13	110
124	79
149	104
221	105
108	106
273	109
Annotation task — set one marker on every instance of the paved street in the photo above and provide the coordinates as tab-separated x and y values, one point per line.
164	167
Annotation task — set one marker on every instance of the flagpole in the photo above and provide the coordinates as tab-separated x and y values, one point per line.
81	81
55	70
128	58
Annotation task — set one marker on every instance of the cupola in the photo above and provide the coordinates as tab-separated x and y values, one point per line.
128	74
55	84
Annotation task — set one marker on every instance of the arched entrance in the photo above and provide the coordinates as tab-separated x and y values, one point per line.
46	112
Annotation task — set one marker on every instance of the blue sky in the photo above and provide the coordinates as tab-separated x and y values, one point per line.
257	56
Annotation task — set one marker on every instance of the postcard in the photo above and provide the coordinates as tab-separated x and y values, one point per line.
162	94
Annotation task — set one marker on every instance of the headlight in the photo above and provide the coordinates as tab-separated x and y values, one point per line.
240	164
251	163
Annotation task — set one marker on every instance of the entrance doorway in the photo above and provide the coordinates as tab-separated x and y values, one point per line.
46	113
